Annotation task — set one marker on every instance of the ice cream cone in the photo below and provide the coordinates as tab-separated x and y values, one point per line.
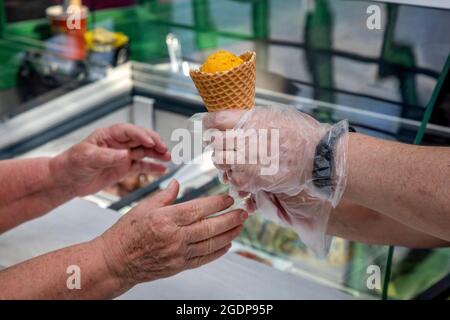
232	89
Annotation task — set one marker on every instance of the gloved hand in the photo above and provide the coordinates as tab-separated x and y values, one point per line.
288	195
307	215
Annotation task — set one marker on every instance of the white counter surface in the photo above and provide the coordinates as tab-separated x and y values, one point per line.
231	277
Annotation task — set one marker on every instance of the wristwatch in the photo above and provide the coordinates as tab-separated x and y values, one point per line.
323	176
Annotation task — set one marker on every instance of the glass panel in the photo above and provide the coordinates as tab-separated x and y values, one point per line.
45	53
393	72
416	270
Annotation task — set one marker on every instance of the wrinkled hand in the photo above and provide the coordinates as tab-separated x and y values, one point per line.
106	156
293	149
157	240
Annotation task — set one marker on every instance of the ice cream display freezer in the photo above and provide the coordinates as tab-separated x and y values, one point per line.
152	96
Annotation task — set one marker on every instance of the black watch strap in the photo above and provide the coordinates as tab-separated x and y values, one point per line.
323	169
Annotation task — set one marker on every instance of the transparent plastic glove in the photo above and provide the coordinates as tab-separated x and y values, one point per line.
307	216
287	195
287	155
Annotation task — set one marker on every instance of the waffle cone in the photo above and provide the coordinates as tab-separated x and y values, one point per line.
232	89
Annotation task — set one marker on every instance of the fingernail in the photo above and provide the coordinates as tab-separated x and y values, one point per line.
150	141
229	200
171	184
244	215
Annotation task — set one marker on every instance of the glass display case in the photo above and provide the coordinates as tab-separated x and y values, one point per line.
317	56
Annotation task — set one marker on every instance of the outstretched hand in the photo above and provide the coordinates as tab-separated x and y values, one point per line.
107	155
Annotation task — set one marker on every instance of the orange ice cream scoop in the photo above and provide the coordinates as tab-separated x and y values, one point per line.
221	61
226	81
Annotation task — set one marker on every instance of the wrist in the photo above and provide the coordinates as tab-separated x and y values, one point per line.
113	280
59	174
115	257
330	167
361	152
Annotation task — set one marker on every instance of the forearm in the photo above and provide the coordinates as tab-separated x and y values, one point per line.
46	277
23	177
31	207
28	189
356	223
407	183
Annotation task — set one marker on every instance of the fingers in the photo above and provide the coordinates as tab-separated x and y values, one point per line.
160	146
250	204
105	157
127	134
237	160
199	261
147	167
195	210
209	246
225	140
239	179
131	136
223	159
225	177
212	227
163	198
222	120
141	153
238	174
243	194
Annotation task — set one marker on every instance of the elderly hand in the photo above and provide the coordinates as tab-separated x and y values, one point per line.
106	156
157	239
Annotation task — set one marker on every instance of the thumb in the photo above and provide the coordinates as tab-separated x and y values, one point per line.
107	157
164	197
